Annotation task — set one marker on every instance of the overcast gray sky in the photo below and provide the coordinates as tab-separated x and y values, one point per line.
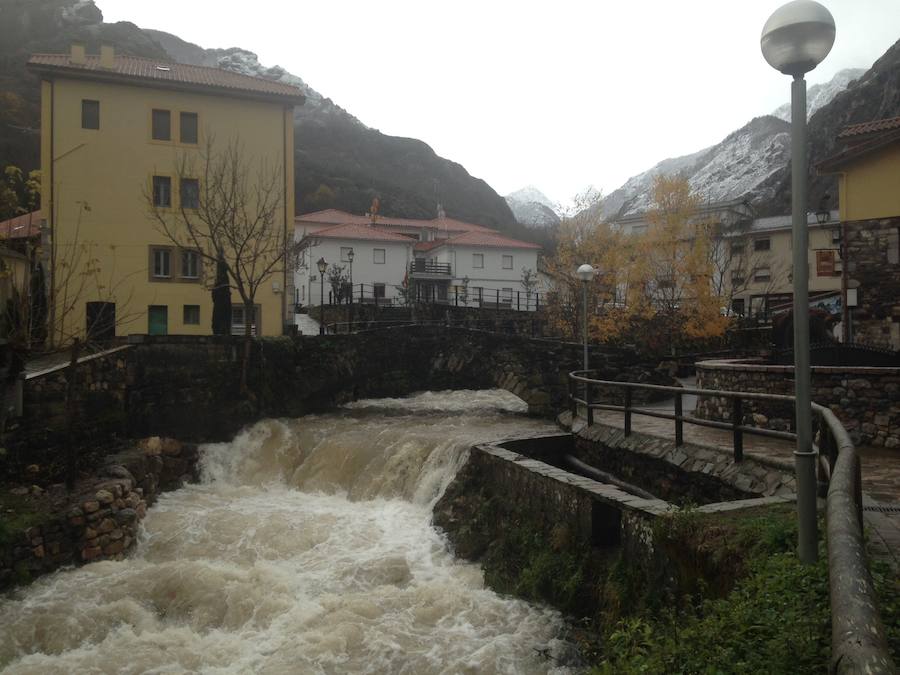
559	94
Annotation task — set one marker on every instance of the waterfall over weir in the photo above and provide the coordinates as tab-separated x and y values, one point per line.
307	548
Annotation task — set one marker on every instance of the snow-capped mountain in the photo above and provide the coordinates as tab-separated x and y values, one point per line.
740	166
532	207
820	94
340	162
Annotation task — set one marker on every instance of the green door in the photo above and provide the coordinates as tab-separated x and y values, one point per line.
158	320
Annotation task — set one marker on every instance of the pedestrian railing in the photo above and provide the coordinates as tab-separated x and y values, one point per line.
858	643
593	391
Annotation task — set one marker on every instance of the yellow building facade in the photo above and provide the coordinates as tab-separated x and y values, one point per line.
114	132
867	167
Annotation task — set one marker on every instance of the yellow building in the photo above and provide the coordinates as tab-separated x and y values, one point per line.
114	132
868	170
752	257
759	275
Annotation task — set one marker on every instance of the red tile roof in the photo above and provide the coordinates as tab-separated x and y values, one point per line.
167	74
489	239
22	227
359	232
428	245
872	126
337	216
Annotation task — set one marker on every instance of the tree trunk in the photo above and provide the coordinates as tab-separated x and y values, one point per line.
71	447
249	320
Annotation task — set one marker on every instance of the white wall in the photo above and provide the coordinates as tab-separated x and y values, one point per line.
492	276
397	256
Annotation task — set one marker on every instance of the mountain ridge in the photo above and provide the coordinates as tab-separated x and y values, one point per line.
340	162
749	163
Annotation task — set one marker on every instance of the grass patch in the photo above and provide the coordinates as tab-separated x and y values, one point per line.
775	620
17	514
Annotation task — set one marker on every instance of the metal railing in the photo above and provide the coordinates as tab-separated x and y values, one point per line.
436	293
591	402
858	643
428	267
527	327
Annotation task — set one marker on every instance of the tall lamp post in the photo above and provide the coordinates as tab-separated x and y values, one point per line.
585	273
795	39
322	265
350	303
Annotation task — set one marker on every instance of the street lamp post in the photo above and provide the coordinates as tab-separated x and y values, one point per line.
795	39
350	304
585	273
322	265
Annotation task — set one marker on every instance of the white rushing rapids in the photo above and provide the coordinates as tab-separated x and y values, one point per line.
307	548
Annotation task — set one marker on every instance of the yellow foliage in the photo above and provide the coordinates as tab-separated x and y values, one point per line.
652	289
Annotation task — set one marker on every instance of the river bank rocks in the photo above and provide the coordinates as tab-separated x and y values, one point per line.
42	529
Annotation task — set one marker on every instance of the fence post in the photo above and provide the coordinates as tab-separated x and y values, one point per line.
537	302
518	301
737	418
587	403
628	411
679	423
572	405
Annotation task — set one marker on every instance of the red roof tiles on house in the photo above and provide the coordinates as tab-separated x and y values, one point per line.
489	239
337	216
428	245
26	226
359	232
872	126
167	74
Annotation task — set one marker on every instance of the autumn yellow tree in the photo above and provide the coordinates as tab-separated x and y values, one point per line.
674	265
655	290
583	237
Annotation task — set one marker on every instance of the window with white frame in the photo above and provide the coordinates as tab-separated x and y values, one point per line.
379	290
378	256
478	261
507	262
507	295
762	274
161	263
762	244
190	264
345	253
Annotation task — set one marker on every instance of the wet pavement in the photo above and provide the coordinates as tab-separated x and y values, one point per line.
880	466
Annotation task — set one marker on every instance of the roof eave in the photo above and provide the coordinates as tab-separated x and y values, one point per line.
835	163
120	78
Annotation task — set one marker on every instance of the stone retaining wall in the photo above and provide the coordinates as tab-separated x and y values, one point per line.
188	387
753	476
99	519
865	400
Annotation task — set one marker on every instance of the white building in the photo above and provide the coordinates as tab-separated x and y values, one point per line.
441	260
379	261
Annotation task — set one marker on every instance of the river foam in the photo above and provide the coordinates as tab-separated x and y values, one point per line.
306	548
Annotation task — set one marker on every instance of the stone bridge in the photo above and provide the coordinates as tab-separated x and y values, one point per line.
400	360
187	387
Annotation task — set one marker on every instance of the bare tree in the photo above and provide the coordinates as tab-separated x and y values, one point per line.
529	282
738	267
338	282
230	214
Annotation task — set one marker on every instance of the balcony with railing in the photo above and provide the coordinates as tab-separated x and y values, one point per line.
425	269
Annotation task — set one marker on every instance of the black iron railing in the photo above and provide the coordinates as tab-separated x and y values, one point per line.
428	267
593	391
857	634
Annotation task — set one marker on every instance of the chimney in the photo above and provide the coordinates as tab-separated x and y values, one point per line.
77	53
107	56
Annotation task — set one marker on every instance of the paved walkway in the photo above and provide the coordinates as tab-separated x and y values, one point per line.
880	466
